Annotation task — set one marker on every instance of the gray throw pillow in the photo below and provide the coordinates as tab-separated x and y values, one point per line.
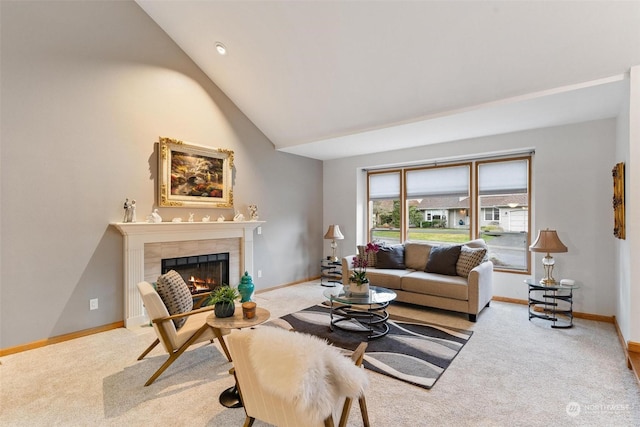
391	257
175	295
443	260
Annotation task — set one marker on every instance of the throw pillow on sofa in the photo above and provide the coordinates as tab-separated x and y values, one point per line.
175	295
479	243
391	257
416	255
371	257
469	259
443	260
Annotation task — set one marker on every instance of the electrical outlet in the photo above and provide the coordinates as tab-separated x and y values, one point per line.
259	273
259	230
93	304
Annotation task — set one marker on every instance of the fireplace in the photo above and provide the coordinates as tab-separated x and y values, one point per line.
202	273
145	245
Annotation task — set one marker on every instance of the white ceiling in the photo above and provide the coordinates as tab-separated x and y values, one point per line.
329	79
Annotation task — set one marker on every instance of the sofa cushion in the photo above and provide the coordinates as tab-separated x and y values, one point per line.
387	278
443	260
469	259
420	282
391	257
175	294
416	255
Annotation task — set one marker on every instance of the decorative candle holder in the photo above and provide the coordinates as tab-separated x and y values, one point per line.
248	309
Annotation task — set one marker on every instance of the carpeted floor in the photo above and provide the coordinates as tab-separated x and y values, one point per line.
412	351
511	373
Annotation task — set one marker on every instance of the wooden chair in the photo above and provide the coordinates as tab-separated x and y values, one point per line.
261	402
176	341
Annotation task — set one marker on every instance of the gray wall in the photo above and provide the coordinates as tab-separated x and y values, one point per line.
571	193
87	88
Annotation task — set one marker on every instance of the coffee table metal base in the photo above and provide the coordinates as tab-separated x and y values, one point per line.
373	319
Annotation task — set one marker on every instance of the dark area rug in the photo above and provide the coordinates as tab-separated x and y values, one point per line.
412	351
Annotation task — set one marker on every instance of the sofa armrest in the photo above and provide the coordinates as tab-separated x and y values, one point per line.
480	284
347	262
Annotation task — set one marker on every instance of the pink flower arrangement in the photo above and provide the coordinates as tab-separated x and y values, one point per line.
360	264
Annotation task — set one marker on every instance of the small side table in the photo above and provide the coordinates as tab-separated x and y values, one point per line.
551	302
332	271
230	398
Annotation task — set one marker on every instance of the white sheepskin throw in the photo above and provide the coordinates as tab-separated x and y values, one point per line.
304	370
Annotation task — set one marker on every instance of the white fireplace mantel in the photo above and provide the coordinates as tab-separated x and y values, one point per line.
136	234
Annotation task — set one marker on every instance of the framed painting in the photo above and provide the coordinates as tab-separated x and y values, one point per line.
194	176
618	201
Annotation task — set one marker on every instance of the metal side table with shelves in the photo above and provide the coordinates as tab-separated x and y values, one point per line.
553	303
330	272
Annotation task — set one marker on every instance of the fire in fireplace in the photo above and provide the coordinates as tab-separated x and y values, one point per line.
202	273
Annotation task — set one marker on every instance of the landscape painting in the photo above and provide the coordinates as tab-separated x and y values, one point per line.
194	176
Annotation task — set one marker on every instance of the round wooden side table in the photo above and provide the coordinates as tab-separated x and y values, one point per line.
230	398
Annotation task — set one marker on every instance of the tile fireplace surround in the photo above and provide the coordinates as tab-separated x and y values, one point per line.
145	244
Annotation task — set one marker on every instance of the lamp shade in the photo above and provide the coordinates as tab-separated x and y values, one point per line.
334	233
548	241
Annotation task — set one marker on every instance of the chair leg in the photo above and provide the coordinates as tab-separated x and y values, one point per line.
151	347
363	411
328	422
173	356
346	408
248	422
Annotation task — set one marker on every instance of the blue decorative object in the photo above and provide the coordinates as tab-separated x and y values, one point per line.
246	287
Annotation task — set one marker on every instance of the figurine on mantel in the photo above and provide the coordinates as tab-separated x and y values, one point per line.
253	212
239	217
221	218
155	217
132	211
190	216
206	218
129	211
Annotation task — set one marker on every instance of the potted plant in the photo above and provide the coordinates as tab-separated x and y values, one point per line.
224	298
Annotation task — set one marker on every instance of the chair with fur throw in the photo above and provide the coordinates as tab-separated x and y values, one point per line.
291	379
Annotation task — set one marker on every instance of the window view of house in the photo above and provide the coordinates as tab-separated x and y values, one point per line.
503	189
438	204
434	205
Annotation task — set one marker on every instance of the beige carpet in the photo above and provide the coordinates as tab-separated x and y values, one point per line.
511	373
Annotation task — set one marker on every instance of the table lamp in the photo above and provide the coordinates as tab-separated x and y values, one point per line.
334	234
549	242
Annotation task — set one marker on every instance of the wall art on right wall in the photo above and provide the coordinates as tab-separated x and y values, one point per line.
618	201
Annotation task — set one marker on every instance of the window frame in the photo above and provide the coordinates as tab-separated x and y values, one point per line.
475	210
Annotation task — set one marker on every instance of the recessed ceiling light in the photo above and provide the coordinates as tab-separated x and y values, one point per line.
222	50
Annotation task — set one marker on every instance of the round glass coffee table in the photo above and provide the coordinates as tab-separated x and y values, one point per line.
360	313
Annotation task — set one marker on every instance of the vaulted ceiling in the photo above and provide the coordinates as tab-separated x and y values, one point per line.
328	79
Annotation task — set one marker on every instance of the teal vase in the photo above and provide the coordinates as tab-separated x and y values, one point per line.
246	287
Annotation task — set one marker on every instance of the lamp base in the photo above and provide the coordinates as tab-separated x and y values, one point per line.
548	282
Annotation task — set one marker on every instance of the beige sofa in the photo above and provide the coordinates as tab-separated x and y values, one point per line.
417	278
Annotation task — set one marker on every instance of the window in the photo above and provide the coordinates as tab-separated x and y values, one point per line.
384	207
491	214
454	203
437	204
503	196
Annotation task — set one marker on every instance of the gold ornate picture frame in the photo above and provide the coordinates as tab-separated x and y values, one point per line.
618	201
194	176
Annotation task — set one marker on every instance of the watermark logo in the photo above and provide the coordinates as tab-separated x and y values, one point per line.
573	409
